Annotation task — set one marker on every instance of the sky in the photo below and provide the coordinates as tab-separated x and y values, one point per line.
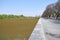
24	7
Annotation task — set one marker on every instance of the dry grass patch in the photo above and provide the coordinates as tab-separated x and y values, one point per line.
14	29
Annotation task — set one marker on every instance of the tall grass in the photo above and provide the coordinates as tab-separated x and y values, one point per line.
16	29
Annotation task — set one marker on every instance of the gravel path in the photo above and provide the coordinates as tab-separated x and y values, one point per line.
37	33
46	29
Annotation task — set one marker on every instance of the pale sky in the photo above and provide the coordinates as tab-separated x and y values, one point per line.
25	7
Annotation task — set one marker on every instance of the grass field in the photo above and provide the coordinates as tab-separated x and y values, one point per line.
17	29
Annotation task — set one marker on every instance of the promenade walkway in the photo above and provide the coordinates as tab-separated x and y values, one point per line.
38	32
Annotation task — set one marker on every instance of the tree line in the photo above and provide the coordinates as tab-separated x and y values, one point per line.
4	16
52	11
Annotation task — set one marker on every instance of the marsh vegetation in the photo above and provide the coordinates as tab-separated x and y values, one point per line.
16	27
